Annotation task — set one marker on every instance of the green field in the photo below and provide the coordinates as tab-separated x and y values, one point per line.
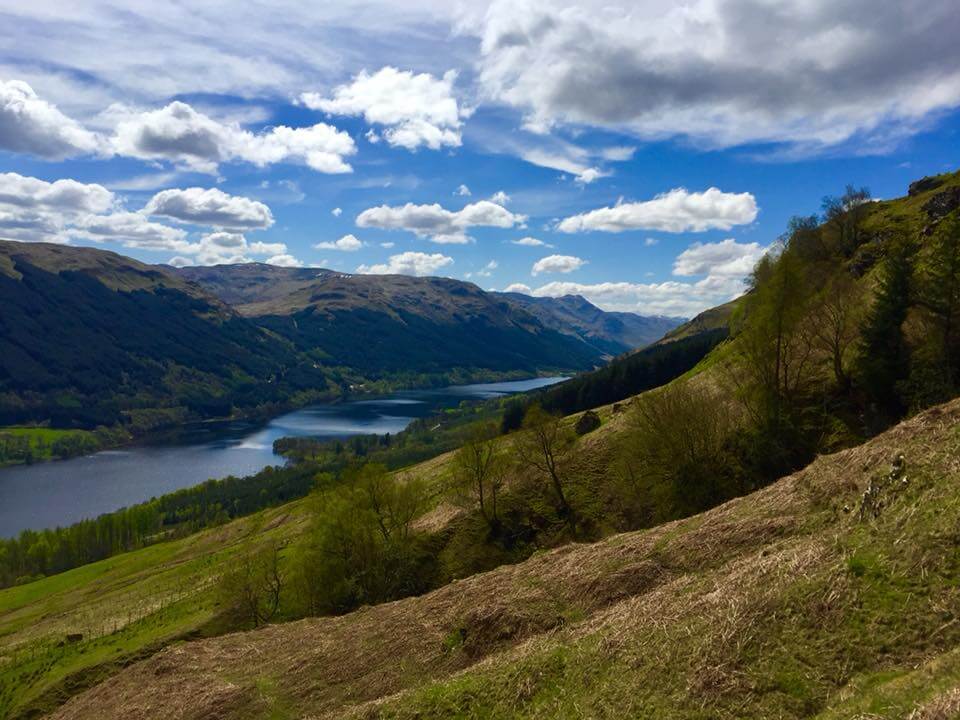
20	444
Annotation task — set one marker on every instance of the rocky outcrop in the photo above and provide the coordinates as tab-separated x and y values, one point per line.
923	185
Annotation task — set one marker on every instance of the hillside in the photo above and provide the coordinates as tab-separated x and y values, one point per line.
93	338
90	338
611	332
779	604
381	324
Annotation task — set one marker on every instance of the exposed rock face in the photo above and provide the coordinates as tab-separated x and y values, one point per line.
923	185
943	203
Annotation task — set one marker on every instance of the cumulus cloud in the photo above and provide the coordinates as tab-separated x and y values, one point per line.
62	196
500	198
437	223
336	212
531	242
182	135
387	245
34	126
348	243
726	258
409	263
463	191
130	230
557	264
675	211
518	288
414	110
719	71
724	266
284	261
211	207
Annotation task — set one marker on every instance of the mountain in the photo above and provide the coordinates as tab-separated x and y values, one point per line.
381	324
89	338
610	332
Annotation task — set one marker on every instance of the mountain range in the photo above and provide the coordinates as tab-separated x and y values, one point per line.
91	338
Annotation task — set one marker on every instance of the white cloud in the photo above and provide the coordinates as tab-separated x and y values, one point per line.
726	258
531	242
336	212
262	248
674	211
666	298
211	207
557	264
650	241
182	135
34	126
414	109
518	288
284	261
440	225
719	71
463	191
387	245
409	263
62	196
131	230
488	269
348	243
500	198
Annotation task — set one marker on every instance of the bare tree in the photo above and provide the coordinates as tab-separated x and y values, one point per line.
479	473
542	447
250	592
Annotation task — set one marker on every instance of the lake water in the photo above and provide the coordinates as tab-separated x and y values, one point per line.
62	492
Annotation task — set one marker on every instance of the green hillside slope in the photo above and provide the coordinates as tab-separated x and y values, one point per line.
783	604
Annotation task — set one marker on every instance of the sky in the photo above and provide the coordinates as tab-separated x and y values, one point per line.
641	154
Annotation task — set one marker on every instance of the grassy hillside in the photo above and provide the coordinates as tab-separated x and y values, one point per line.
780	604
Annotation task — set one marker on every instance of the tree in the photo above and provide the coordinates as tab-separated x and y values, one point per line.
938	294
362	547
775	342
884	358
250	592
844	215
674	449
479	473
542	448
834	324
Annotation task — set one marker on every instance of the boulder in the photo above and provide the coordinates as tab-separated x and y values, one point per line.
588	422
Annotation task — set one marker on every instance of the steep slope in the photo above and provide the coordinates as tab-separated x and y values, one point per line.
382	324
93	338
611	332
785	603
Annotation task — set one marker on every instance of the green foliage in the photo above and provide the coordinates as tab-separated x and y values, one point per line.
627	375
249	591
884	355
670	470
362	547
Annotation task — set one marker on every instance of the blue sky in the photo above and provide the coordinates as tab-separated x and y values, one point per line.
654	150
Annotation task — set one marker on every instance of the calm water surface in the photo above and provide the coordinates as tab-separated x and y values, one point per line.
59	493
